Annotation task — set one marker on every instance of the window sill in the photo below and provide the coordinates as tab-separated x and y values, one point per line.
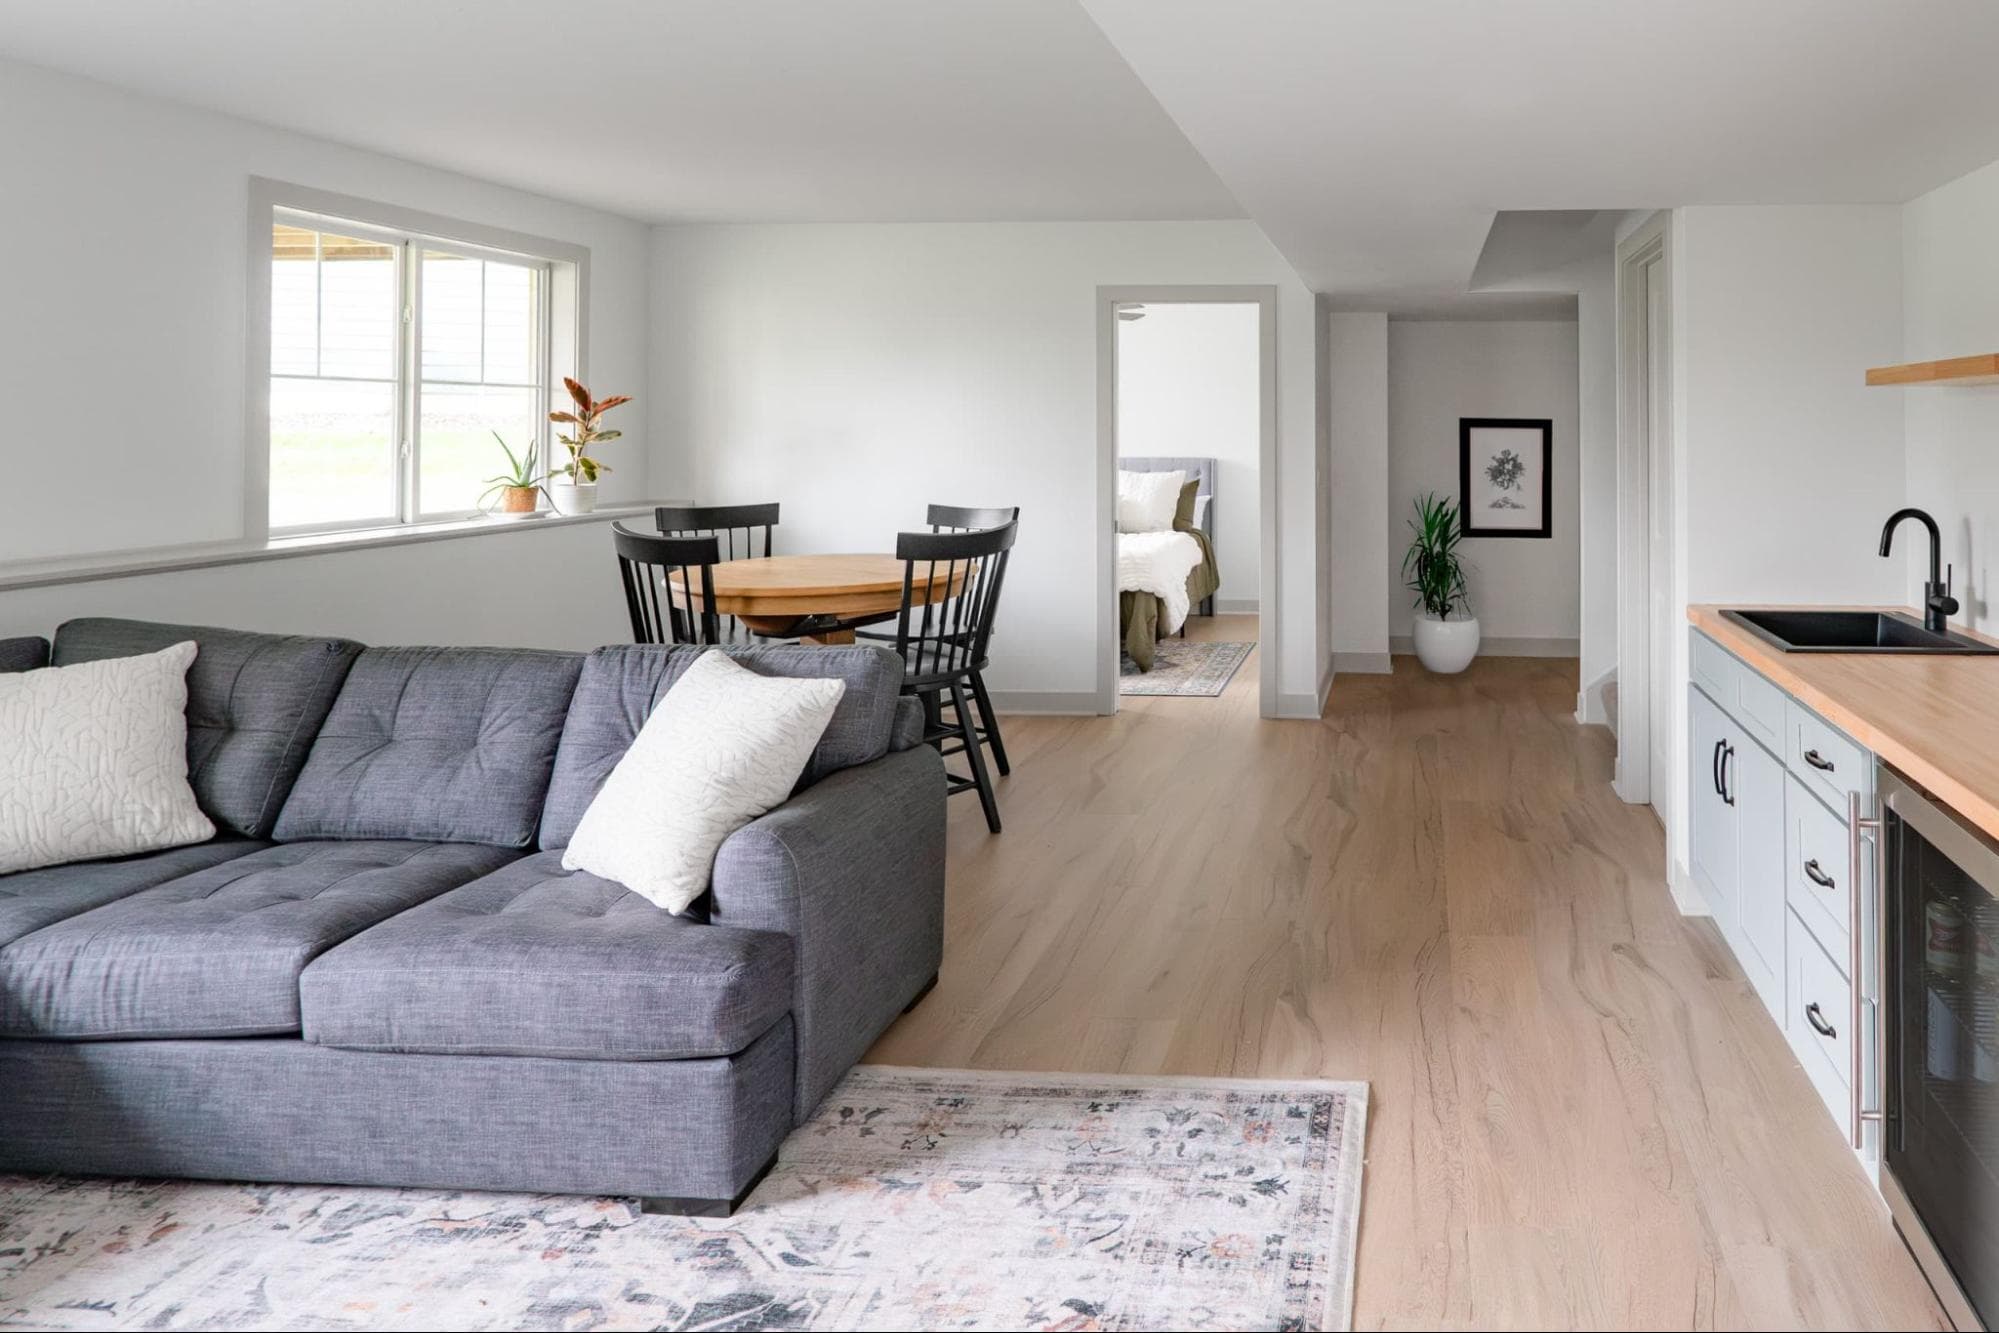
21	575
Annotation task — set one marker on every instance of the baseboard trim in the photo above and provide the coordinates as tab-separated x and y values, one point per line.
1689	899
1298	707
1589	702
1059	703
1365	664
1238	606
1494	645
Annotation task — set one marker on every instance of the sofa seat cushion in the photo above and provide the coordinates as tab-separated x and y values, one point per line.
254	704
437	744
534	960
33	899
621	683
217	953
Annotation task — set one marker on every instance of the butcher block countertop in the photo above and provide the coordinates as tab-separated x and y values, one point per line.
1935	717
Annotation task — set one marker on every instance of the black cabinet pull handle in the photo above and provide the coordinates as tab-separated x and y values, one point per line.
1714	766
1816	875
1818	761
1727	793
1817	1020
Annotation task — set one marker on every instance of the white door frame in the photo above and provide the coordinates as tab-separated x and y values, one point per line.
1644	464
1264	297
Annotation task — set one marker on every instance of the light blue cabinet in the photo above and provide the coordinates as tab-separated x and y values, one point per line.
1737	846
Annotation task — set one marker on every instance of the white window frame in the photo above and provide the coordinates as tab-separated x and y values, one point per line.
565	284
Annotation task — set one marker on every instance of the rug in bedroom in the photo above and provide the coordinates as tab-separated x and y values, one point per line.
1185	668
912	1199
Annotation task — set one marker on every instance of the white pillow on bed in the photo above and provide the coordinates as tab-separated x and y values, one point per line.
1147	501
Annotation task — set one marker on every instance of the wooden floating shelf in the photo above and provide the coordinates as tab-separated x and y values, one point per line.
1958	370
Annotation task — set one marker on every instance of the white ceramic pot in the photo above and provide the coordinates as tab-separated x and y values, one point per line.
572	497
1446	646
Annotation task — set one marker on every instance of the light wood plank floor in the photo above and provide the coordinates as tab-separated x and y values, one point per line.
1580	1115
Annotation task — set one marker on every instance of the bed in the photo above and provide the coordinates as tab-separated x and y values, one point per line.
1142	617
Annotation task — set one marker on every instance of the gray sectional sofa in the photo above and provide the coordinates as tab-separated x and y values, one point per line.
378	972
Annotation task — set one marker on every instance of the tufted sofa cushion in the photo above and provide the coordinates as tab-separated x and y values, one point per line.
619	685
533	960
254	703
440	744
217	953
32	899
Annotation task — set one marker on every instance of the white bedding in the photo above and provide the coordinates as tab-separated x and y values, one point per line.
1159	563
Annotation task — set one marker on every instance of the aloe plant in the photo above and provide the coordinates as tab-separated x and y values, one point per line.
1432	569
521	473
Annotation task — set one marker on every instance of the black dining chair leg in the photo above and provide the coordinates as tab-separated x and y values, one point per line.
975	754
990	721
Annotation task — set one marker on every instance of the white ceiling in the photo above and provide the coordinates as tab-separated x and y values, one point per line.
1374	140
770	110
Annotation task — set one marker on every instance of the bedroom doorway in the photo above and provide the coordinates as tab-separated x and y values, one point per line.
1189	375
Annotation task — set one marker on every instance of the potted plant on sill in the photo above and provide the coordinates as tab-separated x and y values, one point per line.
1437	576
572	488
518	488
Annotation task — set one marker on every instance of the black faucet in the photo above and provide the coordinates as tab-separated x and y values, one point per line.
1938	605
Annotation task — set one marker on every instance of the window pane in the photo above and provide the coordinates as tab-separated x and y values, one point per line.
451	316
332	451
294	300
456	446
357	307
510	324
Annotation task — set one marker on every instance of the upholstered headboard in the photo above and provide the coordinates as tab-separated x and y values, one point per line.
1204	468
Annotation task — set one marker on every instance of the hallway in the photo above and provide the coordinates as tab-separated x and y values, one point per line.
1580	1115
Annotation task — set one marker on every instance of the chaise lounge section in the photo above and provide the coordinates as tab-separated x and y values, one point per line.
378	972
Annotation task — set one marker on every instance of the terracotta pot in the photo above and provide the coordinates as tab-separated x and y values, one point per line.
519	499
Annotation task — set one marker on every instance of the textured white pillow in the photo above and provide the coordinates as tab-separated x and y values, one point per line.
93	761
722	746
1147	501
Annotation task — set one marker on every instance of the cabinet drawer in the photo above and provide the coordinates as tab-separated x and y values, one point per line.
1715	670
1818	989
1816	850
1760	708
1829	763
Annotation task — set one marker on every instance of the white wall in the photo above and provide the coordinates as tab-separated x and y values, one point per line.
1785	462
1357	355
1188	387
123	352
1525	591
857	372
1950	307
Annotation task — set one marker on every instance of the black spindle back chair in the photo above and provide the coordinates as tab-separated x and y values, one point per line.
957	518
743	531
943	637
669	586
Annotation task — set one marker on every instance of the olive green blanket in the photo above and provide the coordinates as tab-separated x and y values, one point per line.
1138	612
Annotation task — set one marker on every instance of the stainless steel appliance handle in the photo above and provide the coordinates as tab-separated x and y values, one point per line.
1856	958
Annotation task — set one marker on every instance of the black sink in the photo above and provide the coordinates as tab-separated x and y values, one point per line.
1851	632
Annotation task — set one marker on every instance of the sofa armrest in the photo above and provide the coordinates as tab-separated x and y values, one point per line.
23	654
852	869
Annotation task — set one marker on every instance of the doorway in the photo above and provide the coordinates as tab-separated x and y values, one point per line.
1648	638
1187	439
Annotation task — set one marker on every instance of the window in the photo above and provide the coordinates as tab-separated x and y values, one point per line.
395	357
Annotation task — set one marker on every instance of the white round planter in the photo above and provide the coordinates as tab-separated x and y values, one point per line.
571	497
1446	646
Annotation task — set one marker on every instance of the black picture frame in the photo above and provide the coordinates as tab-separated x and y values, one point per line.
1468	427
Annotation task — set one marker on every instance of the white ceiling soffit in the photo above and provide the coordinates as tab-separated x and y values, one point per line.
768	110
1523	246
1374	140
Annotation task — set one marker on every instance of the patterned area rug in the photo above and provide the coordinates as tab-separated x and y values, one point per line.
913	1199
1184	667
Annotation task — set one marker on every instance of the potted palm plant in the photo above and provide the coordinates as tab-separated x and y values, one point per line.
572	488
1446	631
519	487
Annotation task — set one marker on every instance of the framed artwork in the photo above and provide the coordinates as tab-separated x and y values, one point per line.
1504	476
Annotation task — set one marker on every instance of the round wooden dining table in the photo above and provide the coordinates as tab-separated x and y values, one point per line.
782	595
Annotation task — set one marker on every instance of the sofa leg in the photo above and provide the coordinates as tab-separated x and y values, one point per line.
919	997
674	1206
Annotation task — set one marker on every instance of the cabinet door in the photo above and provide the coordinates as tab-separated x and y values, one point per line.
1713	833
1754	779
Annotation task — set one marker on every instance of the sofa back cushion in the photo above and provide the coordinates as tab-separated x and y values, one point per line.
620	684
254	704
440	744
24	654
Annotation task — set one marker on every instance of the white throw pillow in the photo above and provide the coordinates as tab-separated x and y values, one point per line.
722	746
93	761
1147	501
